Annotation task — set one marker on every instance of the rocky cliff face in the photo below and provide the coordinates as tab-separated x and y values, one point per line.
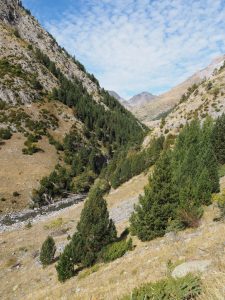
19	30
8	11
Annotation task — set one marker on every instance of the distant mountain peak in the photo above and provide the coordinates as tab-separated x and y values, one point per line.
141	98
116	95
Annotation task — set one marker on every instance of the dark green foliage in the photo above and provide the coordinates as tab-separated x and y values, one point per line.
57	183
158	205
106	130
114	126
36	84
47	251
57	144
3	105
183	180
128	164
14	70
190	90
5	133
31	147
16	194
218	138
115	250
111	128
82	183
185	288
194	165
95	227
65	266
94	231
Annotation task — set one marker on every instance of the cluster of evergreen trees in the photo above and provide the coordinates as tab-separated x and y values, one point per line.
219	139
107	129
114	126
128	163
183	180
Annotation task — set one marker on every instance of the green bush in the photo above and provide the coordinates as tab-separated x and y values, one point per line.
31	149
5	134
82	183
186	288
48	250
116	250
127	164
16	194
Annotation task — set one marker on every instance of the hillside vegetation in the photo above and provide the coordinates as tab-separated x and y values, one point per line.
199	101
52	110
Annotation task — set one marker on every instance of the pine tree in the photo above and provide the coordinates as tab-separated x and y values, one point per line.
218	139
47	251
94	231
207	158
95	227
65	266
158	205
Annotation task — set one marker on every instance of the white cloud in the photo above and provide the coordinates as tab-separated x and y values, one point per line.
137	45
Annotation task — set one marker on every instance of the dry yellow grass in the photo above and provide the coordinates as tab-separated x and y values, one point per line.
21	173
129	189
147	262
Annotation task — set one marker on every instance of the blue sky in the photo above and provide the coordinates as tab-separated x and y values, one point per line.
137	45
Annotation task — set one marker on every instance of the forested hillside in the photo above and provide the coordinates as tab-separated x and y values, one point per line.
52	110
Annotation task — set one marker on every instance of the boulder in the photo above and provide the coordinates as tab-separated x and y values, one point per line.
191	267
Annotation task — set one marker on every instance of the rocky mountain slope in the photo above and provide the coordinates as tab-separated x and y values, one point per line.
46	96
153	109
117	96
202	99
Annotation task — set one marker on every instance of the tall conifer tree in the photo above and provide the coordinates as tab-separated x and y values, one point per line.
157	206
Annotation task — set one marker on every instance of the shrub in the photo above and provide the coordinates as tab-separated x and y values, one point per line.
89	271
16	194
220	200
190	217
16	33
82	183
5	134
31	149
115	250
47	251
185	288
28	225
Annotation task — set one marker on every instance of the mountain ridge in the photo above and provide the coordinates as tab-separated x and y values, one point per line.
166	101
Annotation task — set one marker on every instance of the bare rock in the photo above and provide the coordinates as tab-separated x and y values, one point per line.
191	267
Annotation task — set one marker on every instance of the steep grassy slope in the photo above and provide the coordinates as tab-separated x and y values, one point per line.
53	112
